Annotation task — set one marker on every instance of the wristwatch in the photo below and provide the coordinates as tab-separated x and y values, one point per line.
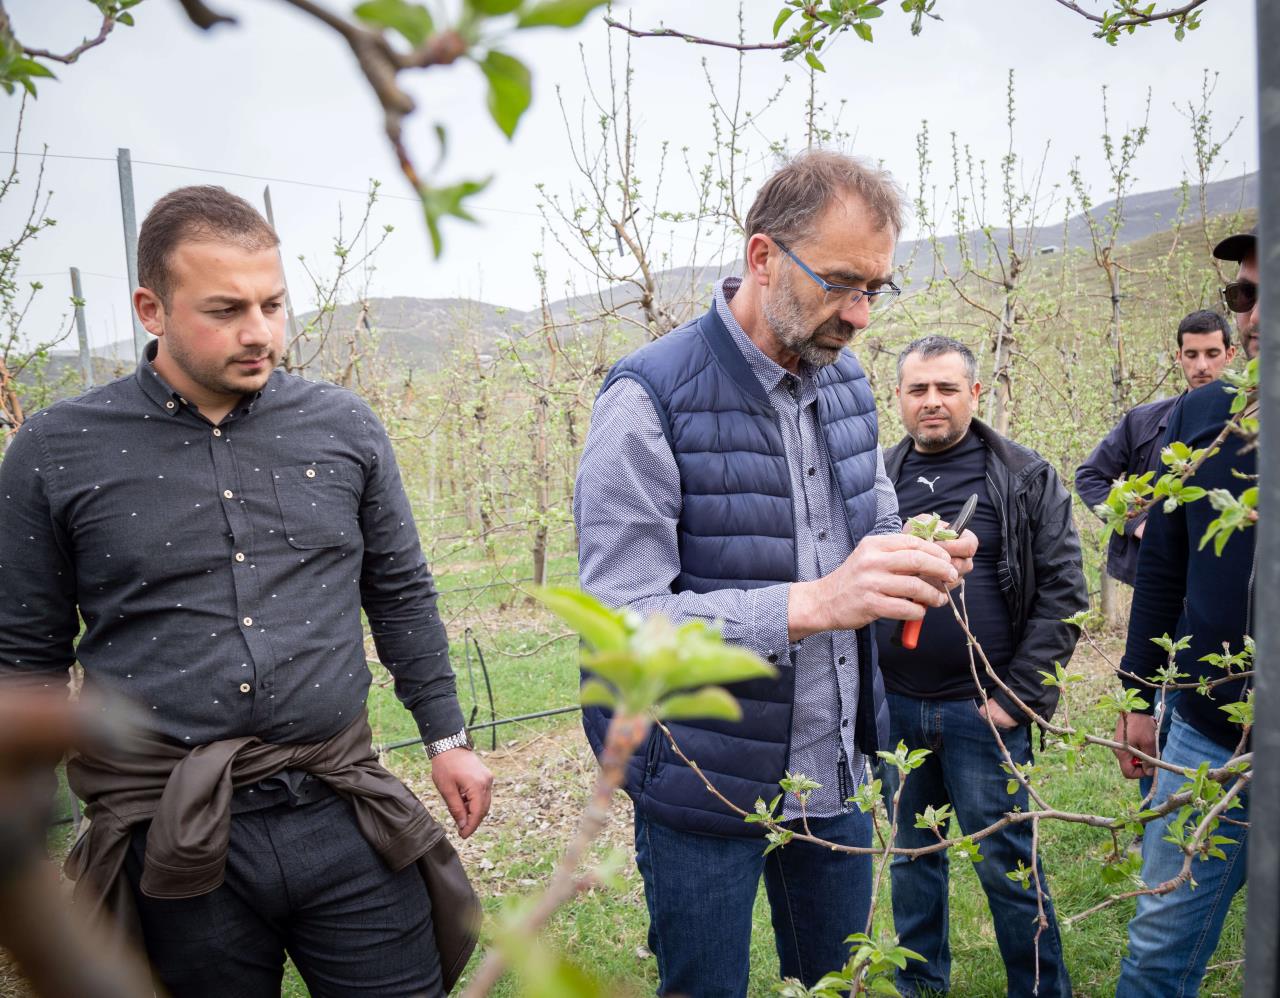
458	740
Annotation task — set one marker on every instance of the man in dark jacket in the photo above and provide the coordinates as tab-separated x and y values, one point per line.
1133	446
732	474
1026	578
1186	589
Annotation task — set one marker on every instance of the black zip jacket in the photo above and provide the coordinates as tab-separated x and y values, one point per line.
1131	448
1184	588
1041	574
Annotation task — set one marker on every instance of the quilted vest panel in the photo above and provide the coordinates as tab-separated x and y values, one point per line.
737	531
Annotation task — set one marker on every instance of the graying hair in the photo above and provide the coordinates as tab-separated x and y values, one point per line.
936	346
791	201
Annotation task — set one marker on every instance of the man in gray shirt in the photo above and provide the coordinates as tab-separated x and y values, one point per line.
219	525
732	473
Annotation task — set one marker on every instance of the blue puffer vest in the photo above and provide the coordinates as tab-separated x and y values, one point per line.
737	531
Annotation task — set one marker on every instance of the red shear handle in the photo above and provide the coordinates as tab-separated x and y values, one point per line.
911	633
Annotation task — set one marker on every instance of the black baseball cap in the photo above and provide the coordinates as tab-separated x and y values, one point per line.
1238	246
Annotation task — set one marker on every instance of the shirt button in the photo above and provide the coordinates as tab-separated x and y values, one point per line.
311	472
227	494
812	472
840	660
245	688
843	724
822	535
217	432
248	621
169	404
239	556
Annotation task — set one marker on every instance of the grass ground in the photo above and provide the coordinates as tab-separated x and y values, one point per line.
544	771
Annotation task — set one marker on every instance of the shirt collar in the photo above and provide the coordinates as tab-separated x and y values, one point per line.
162	393
768	371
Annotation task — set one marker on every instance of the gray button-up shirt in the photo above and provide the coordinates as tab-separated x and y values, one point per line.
627	504
220	570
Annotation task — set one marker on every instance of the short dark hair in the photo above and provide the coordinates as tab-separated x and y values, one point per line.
195	213
1206	320
789	203
936	346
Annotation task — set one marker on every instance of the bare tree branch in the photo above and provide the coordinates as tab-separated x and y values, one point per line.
1136	19
695	39
202	17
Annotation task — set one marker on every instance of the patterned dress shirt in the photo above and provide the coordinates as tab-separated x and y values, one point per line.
627	504
220	571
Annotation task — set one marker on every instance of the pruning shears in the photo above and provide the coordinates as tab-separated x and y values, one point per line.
907	634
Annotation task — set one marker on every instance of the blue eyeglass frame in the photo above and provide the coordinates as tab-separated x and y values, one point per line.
856	294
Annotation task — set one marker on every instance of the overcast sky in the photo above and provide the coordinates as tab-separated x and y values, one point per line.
278	97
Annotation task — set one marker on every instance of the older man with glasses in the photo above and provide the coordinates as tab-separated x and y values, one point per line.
732	474
1187	587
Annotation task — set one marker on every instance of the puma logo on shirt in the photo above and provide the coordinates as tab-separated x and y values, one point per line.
924	481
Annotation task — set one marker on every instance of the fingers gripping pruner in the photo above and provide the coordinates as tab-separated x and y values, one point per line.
907	634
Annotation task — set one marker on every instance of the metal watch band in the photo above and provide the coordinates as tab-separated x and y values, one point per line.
458	740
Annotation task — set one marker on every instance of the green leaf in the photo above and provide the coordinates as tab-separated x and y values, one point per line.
438	202
812	60
510	89
558	13
713	702
603	629
125	19
493	8
622	670
868	11
596	694
411	20
783	15
863	31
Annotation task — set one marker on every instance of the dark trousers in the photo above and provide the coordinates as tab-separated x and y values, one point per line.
700	890
963	770
302	880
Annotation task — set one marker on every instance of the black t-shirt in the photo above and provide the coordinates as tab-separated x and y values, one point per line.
938	668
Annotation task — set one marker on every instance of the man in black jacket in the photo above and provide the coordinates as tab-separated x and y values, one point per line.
1186	589
1026	578
1133	446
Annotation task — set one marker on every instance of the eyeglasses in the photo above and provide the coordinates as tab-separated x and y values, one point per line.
842	295
1240	296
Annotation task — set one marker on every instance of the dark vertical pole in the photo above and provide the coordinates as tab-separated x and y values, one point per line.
1262	930
82	331
288	302
124	166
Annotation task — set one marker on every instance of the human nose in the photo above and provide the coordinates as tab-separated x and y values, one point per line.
256	330
857	313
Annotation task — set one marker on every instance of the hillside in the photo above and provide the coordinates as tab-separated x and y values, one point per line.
421	333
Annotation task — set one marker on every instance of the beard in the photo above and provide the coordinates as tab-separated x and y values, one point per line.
790	327
939	438
221	377
1249	339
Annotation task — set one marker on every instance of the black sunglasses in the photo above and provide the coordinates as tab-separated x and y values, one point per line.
1240	296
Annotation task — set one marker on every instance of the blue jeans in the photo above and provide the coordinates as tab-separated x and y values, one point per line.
700	890
1172	936
963	770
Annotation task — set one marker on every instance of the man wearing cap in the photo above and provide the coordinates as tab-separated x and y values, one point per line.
1184	588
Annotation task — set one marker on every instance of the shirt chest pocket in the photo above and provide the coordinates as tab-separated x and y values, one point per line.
319	504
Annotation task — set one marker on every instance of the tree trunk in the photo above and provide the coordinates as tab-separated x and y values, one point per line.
1001	387
1110	600
1119	373
542	468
